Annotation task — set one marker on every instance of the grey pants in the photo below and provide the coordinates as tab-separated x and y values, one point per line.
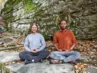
65	56
36	56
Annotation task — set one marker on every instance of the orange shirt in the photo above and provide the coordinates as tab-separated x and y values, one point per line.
65	39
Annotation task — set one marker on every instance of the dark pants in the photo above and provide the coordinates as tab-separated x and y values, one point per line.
36	56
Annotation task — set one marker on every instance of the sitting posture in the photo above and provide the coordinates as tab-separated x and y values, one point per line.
64	42
34	47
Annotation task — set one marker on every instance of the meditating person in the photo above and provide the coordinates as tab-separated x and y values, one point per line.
34	47
64	42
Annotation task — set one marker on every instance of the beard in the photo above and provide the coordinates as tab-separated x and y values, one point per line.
63	28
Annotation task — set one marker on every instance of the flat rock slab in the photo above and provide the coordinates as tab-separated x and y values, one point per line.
91	69
5	48
84	57
41	68
8	56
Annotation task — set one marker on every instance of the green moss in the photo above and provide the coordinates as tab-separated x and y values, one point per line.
3	68
46	36
28	5
1	65
9	5
7	16
7	9
39	12
16	2
57	20
17	17
7	25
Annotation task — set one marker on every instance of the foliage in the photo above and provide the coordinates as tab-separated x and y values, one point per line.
46	36
29	5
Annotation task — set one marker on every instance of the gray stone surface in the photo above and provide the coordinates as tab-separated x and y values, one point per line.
8	56
14	67
2	48
41	68
84	57
91	69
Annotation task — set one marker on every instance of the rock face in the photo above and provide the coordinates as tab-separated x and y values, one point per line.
8	57
91	69
2	2
81	16
44	67
41	68
2	30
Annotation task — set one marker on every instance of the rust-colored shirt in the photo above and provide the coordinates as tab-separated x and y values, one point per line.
64	39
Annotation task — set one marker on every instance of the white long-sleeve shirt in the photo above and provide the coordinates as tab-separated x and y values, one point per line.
34	41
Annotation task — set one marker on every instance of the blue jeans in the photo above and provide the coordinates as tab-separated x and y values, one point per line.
65	56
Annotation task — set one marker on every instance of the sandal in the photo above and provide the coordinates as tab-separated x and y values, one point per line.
55	62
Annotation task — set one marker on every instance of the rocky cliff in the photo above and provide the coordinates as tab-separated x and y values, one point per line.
80	14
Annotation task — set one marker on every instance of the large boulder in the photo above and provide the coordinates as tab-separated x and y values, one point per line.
41	68
8	56
81	16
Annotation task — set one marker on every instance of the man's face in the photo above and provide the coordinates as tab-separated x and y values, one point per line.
34	28
63	25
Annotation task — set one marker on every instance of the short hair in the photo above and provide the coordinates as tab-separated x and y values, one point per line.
62	20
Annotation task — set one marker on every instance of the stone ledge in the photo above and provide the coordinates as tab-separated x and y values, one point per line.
41	68
7	56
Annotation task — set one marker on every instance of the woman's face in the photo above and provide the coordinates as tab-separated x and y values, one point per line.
34	29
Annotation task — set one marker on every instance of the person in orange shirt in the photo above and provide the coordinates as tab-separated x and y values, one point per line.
64	42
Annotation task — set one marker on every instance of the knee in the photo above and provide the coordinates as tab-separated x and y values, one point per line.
21	54
46	52
52	54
